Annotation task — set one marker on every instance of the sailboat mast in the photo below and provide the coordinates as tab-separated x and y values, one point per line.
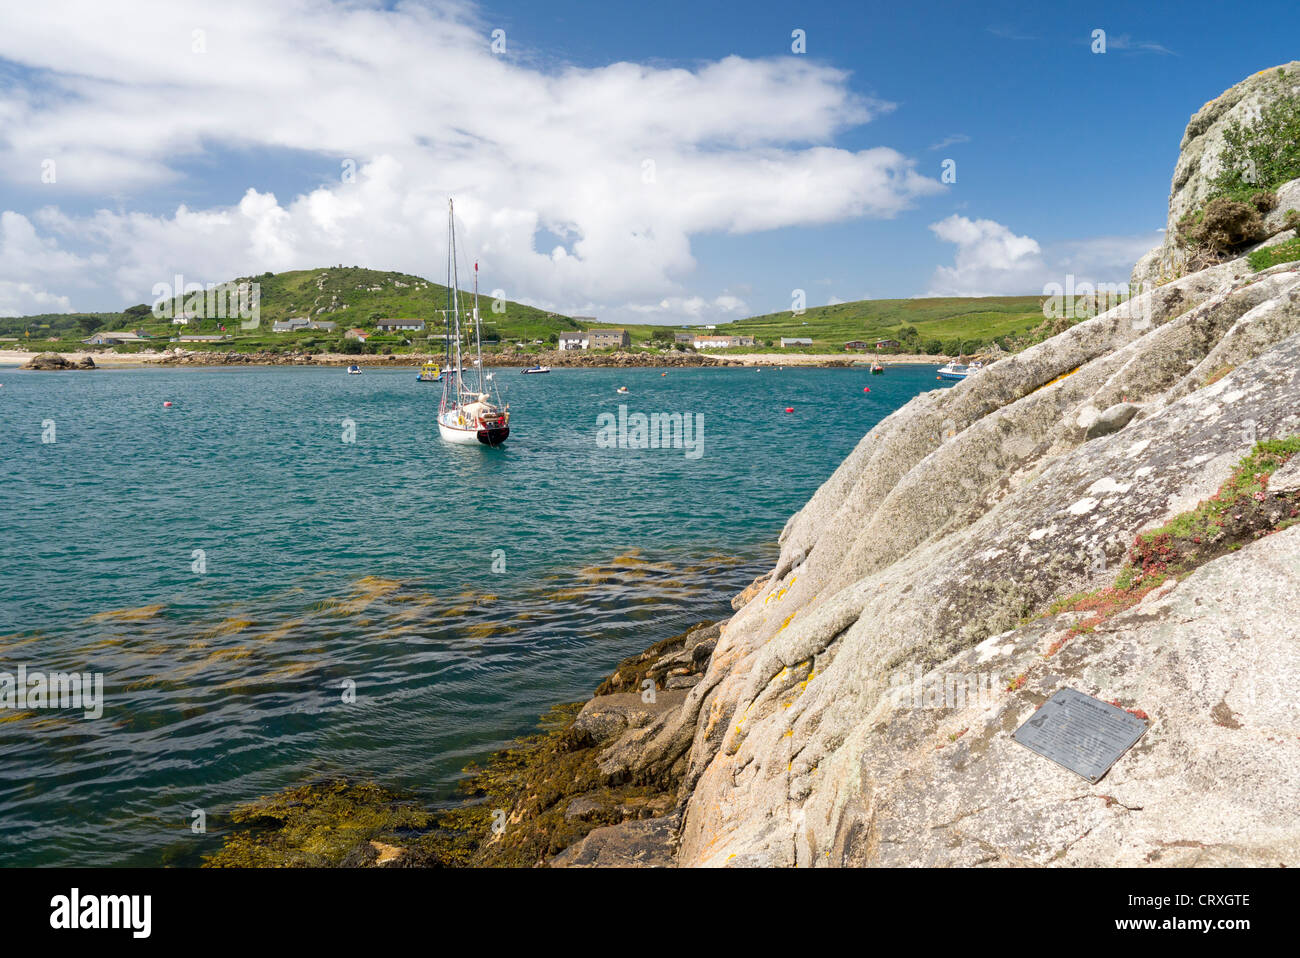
455	290
478	331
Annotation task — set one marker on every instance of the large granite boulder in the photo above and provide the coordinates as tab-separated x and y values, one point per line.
1198	164
960	517
1210	662
48	361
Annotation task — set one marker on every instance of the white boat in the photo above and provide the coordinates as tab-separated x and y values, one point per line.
467	416
536	369
354	370
954	370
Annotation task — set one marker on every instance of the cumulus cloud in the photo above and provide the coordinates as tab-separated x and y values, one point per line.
992	260
626	162
692	308
24	299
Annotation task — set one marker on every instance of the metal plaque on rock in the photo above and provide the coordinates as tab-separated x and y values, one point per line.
1081	733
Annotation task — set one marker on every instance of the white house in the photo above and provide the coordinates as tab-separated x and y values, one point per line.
290	325
579	340
718	341
392	325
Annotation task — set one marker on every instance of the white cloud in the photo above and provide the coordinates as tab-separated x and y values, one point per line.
991	260
24	299
953	140
627	162
692	308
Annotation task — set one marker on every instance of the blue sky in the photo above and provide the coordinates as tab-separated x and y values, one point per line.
1063	156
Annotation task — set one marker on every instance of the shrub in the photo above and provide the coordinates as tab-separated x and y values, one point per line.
1226	225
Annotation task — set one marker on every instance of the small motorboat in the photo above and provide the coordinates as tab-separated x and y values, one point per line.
354	370
430	373
536	369
877	369
955	370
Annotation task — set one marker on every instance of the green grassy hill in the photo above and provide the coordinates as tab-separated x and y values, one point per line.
348	296
351	296
940	324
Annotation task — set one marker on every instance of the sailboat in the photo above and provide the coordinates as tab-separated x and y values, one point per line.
466	415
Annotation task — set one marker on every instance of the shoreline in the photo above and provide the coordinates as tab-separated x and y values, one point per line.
206	359
544	800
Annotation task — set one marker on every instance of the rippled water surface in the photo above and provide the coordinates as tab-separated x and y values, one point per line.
462	590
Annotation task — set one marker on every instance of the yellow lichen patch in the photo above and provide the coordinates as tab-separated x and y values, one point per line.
127	615
1059	378
8	716
786	622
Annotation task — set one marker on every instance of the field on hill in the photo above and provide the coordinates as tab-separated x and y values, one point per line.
348	296
933	325
355	297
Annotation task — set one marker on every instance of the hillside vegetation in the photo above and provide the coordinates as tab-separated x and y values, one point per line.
948	324
349	296
356	297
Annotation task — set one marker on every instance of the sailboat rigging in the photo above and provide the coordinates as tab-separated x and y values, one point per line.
466	415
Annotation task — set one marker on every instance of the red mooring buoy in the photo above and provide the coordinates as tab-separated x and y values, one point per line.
789	409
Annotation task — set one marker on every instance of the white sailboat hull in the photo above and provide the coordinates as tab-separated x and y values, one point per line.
458	434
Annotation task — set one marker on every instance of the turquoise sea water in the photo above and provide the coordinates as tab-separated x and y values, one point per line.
231	565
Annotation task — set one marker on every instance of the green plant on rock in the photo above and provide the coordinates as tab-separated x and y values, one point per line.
1262	153
1226	225
1287	252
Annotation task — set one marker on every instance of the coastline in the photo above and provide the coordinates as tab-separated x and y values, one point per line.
554	359
545	800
